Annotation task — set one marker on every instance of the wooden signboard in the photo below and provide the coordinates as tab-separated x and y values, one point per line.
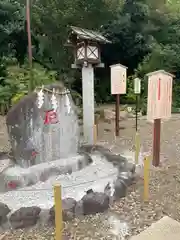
159	95
118	79
118	86
159	105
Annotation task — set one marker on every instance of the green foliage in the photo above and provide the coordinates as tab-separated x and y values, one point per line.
16	81
130	97
11	22
17	97
50	21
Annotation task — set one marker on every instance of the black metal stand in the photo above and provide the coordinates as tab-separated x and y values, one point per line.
136	113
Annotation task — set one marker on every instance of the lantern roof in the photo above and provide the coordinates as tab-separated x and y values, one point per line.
160	71
78	33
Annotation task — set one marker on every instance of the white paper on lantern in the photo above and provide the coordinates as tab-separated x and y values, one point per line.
159	95
118	79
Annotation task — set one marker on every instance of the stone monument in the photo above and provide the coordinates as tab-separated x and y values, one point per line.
40	133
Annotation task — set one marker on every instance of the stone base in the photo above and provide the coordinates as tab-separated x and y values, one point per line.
164	229
93	198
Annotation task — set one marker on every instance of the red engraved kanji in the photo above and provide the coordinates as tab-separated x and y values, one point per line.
12	185
50	117
34	153
159	88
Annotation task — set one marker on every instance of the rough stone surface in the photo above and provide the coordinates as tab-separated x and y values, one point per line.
126	177
41	172
68	209
17	130
4	210
25	217
4	164
95	202
79	209
120	189
91	202
29	137
126	169
116	159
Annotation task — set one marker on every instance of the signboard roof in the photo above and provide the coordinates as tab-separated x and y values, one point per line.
159	71
118	65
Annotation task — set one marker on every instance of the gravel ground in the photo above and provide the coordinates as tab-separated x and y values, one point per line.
164	188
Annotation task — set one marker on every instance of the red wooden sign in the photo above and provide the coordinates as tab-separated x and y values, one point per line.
159	95
50	117
159	88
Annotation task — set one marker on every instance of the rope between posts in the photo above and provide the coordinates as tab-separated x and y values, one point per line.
64	92
65	187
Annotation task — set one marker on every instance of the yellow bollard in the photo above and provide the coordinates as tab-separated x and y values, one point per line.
137	147
146	177
58	212
95	134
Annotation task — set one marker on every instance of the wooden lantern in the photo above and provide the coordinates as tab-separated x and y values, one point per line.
86	44
87	51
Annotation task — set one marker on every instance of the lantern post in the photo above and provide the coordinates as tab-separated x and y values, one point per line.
159	105
87	55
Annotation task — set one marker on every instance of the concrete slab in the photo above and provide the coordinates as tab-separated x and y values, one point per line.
164	229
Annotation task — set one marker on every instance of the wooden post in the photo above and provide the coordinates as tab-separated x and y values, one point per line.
28	20
58	212
156	142
117	114
146	178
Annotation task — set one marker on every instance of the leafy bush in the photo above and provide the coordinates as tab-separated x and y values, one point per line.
15	84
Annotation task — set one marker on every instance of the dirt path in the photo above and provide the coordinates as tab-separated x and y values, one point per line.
170	136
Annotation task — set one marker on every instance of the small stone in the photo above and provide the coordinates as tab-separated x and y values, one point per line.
4	211
25	217
68	210
95	202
